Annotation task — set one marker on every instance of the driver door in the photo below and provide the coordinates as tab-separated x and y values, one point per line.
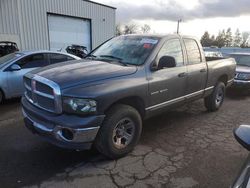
168	85
27	64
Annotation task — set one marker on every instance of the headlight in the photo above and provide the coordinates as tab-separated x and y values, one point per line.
79	106
243	76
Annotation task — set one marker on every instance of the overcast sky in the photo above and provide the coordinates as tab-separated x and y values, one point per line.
197	15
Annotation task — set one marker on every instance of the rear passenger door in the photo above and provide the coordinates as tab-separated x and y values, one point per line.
58	58
197	69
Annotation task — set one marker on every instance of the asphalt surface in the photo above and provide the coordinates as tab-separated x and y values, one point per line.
187	147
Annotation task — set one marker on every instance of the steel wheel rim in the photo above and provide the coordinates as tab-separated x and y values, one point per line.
219	97
123	133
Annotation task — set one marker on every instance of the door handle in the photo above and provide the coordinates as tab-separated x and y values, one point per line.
183	74
203	70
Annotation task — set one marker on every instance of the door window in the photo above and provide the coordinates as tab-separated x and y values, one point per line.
33	61
172	48
193	51
57	58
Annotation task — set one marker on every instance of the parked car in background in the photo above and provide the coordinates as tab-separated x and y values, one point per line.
213	54
103	99
77	50
15	65
242	77
7	47
242	135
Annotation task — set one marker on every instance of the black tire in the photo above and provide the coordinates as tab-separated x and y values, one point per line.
1	97
109	133
214	101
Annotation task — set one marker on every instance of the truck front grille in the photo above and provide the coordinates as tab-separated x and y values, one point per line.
43	93
241	76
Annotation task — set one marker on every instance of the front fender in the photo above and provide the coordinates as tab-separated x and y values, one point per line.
110	91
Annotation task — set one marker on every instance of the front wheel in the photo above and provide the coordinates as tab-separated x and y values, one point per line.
120	131
214	101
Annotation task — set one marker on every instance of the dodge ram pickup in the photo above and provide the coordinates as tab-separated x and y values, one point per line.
101	101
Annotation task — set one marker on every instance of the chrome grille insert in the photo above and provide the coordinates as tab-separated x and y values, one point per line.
242	76
43	93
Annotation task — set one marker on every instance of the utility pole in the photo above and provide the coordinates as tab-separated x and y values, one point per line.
178	25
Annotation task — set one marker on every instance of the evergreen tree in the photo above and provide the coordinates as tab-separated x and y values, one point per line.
205	40
220	39
213	40
237	39
229	38
245	39
223	35
226	39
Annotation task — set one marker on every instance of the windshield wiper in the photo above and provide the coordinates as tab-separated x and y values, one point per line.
90	56
111	56
119	60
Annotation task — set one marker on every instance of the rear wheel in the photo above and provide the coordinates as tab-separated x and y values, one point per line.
214	101
120	131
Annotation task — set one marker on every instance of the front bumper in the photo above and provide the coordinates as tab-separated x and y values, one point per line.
241	84
67	131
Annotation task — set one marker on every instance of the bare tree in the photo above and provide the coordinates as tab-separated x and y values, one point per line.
145	28
118	30
130	29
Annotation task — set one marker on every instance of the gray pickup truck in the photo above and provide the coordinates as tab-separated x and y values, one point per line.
101	101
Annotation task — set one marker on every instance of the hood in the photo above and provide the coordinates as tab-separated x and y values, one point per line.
70	74
244	69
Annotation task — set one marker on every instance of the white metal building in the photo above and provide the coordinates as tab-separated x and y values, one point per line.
55	24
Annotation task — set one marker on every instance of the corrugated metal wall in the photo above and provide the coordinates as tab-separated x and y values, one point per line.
28	18
8	17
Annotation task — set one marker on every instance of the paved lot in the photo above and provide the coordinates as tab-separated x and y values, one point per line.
184	148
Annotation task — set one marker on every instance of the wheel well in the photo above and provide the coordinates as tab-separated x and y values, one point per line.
224	79
135	102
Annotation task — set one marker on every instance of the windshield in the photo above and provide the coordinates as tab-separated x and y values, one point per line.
132	50
8	58
243	60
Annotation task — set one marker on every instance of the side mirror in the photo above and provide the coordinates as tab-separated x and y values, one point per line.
242	135
15	67
166	62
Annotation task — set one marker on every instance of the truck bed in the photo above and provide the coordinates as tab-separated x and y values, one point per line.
218	66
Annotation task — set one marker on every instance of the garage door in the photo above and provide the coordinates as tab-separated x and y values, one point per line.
65	31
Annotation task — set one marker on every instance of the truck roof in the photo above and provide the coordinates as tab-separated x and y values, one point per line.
161	35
